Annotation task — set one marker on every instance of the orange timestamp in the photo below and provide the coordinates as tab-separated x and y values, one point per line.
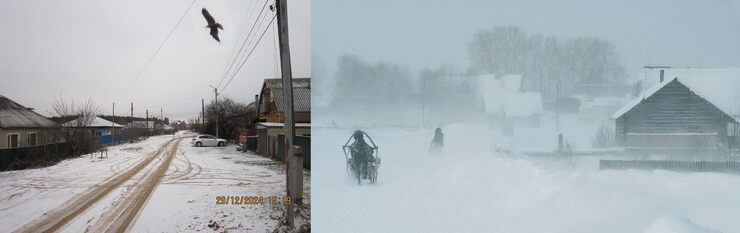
252	200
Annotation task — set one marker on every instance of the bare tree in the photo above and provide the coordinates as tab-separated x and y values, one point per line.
230	115
75	131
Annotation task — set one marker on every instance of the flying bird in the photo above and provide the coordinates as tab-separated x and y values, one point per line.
212	24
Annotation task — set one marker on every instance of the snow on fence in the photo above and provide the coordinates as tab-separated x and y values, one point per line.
684	166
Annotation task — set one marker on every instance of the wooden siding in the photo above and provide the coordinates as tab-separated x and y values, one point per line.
674	109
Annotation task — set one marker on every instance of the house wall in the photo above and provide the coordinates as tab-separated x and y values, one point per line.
299	117
267	141
43	136
673	110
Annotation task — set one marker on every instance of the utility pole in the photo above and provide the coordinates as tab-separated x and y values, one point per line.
287	77
557	105
423	99
215	92
147	120
132	122
202	114
113	125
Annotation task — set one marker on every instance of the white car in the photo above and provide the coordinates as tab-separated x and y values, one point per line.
208	140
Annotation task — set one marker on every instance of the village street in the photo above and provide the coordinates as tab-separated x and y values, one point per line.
471	184
161	184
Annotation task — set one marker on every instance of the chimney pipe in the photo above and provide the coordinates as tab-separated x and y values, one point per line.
661	75
257	105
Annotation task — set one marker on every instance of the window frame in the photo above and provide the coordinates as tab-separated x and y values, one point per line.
28	138
17	141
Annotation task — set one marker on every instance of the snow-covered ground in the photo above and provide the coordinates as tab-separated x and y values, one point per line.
471	188
184	200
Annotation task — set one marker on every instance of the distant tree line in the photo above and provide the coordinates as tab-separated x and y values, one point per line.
363	86
543	61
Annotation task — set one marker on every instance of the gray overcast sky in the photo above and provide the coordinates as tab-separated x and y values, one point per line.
88	48
431	33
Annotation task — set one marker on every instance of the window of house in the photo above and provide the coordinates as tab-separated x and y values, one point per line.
12	140
32	139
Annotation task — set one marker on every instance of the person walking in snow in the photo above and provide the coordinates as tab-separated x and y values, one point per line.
438	141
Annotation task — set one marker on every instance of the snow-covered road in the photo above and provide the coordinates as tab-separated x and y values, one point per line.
471	188
158	185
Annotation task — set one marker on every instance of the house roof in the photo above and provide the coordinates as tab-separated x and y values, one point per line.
14	115
280	125
301	93
720	92
502	95
97	122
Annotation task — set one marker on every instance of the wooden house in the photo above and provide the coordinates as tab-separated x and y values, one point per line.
672	115
271	101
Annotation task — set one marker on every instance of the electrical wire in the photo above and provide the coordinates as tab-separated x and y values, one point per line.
243	44
249	55
157	51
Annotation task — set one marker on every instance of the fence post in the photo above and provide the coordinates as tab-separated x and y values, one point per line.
560	142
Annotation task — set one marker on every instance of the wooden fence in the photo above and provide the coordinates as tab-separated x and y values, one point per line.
24	157
683	166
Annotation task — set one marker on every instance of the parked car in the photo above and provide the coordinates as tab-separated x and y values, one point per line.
208	140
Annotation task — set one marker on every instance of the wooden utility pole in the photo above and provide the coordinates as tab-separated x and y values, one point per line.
147	120
132	123
215	92
202	114
557	105
113	125
423	99
287	77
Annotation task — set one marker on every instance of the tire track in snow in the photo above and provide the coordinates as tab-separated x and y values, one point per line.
58	217
125	211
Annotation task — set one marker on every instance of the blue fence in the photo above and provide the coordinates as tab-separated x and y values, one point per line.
107	139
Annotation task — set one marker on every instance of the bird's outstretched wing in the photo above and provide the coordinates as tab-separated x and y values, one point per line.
208	17
214	33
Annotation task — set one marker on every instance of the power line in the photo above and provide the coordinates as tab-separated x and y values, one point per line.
175	101
243	44
248	55
244	22
157	51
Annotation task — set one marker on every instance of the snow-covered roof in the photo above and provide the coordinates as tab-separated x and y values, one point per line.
634	102
301	93
97	122
719	86
278	124
501	95
511	82
522	104
14	115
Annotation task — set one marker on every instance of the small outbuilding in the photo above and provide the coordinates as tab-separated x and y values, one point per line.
673	115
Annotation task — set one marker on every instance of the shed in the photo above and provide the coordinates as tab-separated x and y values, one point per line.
672	115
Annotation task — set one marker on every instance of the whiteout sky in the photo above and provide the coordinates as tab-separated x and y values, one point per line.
83	49
431	33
